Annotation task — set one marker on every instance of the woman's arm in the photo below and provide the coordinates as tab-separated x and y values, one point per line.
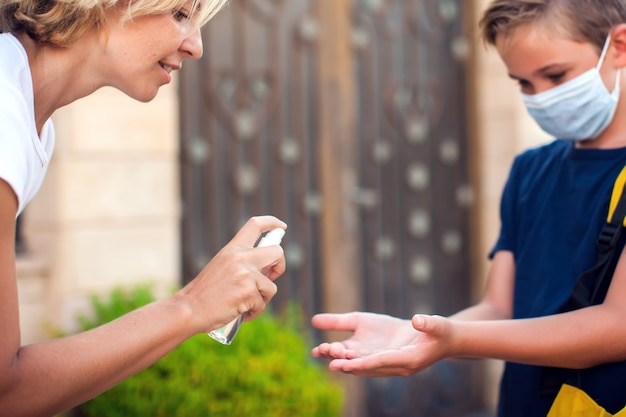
46	378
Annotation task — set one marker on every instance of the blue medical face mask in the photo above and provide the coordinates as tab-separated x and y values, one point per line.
579	109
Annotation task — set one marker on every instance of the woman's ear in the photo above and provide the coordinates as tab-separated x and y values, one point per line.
618	42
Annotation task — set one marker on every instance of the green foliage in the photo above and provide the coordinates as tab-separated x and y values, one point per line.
266	372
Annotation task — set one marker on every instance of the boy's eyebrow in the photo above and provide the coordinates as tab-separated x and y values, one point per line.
540	71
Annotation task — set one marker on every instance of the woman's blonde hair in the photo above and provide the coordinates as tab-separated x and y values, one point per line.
62	22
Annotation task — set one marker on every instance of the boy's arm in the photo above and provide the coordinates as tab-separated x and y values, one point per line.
381	345
578	339
497	301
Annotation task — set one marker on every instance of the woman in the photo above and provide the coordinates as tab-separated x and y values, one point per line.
52	53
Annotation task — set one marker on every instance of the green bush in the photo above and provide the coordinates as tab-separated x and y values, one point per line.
266	372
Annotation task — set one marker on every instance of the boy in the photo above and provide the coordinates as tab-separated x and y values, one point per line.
567	56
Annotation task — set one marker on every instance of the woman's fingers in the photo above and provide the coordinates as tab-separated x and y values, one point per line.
239	278
270	261
249	233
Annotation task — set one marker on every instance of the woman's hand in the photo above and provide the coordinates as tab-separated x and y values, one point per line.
239	279
382	345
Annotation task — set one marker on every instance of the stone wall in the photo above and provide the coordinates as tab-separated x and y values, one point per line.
108	212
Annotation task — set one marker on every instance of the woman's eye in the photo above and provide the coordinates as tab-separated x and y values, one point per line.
180	15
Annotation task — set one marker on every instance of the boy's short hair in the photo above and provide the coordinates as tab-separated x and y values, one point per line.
581	20
62	22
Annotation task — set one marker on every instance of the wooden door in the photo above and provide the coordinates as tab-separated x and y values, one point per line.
347	120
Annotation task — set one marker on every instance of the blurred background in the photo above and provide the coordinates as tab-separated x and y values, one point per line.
381	131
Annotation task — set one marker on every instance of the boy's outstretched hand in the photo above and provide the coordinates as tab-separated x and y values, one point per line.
383	346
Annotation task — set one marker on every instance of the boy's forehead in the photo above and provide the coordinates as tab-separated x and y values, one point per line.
543	34
528	50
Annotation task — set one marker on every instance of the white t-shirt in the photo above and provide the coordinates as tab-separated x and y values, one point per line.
24	155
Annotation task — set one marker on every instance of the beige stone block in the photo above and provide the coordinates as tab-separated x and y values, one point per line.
109	121
33	287
124	255
531	135
119	188
44	207
70	308
495	94
489	63
35	324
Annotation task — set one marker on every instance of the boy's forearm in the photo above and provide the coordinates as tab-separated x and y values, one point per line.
483	311
578	339
54	376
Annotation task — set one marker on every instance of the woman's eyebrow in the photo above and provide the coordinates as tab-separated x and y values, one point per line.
196	6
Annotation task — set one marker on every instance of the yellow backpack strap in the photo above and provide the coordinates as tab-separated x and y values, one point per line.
606	244
593	284
618	203
573	402
609	237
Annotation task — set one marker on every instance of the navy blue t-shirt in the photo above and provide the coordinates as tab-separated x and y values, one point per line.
553	207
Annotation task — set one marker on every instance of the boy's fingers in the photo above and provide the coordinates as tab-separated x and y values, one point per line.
428	324
339	322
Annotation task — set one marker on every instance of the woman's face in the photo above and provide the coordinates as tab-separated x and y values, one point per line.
141	54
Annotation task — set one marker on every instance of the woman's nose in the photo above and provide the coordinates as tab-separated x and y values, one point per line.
192	44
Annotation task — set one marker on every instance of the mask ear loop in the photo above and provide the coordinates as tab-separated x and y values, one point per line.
605	49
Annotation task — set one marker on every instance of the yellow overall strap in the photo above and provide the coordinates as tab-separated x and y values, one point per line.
618	191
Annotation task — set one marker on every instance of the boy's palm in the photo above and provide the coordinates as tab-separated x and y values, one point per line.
379	346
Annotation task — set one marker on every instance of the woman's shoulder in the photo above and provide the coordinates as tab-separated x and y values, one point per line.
15	78
12	53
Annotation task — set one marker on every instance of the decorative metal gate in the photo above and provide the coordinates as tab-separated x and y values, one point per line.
346	120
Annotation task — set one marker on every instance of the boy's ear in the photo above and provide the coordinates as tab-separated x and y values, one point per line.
618	39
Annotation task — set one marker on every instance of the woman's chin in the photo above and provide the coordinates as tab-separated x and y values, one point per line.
144	96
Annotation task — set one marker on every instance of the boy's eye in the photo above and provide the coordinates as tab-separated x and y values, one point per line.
523	83
556	77
180	15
